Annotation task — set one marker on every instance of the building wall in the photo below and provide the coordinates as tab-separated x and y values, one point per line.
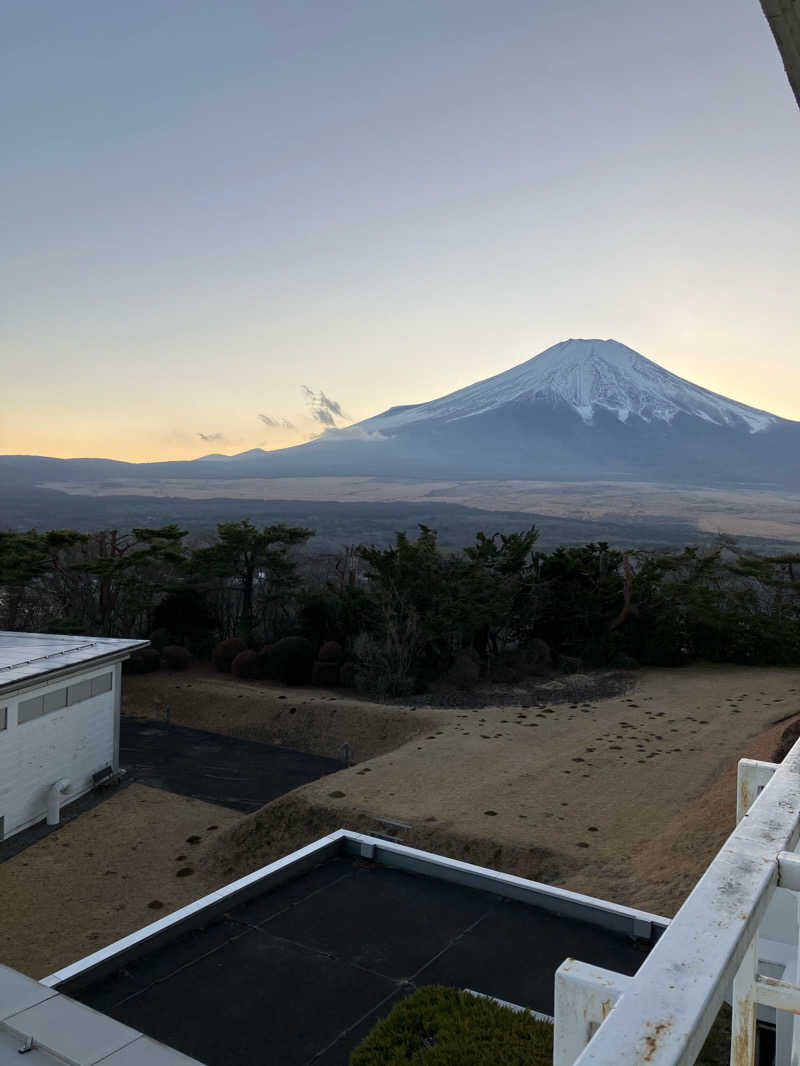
784	20
66	728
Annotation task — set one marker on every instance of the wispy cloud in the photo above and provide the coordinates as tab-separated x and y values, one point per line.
209	437
323	416
276	423
323	409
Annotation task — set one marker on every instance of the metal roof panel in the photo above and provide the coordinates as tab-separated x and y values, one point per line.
25	656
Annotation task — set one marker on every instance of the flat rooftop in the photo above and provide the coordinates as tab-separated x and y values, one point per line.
28	656
302	970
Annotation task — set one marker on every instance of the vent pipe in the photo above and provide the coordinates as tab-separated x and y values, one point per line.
57	789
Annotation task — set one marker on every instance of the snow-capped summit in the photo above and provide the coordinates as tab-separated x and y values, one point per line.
584	375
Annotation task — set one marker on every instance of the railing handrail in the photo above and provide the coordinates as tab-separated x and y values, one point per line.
664	1013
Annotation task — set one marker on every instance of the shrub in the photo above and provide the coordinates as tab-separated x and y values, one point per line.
185	616
160	639
176	657
386	667
622	661
225	652
537	657
142	661
247	666
292	660
570	664
267	669
347	675
317	617
325	674
594	654
465	673
438	1026
64	626
331	652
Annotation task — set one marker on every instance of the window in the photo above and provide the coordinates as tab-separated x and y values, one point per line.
54	701
101	684
79	692
61	697
30	709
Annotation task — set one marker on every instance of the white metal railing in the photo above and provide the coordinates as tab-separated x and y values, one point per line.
709	953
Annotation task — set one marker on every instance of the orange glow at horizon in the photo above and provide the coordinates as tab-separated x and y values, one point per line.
167	433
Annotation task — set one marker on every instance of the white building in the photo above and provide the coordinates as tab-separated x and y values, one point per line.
59	721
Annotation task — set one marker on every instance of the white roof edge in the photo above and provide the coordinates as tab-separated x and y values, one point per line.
437	867
32	1011
26	658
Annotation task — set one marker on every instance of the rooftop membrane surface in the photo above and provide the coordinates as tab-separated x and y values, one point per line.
301	973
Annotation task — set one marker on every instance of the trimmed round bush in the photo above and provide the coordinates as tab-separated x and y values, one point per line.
176	657
225	652
292	660
331	652
247	665
142	661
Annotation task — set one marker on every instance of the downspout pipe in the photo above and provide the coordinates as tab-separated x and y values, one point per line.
54	794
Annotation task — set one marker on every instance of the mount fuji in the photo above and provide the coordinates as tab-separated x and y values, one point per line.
583	410
585	377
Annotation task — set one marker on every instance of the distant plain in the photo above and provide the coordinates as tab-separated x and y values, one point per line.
767	514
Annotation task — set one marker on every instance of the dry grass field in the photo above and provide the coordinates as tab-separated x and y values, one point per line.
103	875
625	798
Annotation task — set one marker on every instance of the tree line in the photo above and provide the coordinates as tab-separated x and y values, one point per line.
414	612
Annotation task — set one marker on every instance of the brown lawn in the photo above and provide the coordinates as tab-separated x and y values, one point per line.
625	798
103	875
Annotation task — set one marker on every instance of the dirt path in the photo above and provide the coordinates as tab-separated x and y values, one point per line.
107	873
578	794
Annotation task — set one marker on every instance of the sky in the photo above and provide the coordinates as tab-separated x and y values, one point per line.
226	225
